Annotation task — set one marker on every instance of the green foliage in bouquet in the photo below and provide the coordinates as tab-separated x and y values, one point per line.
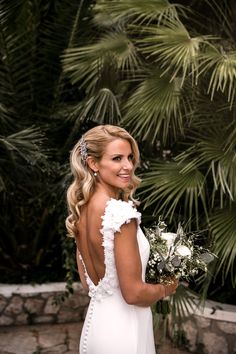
175	254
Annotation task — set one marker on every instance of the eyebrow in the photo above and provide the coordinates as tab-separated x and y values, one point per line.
119	154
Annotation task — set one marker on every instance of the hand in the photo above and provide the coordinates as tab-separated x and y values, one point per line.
170	285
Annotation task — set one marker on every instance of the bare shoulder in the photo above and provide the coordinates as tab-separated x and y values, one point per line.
97	204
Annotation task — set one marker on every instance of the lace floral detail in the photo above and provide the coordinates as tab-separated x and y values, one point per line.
117	213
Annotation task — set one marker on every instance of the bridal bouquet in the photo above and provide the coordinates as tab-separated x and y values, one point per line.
174	255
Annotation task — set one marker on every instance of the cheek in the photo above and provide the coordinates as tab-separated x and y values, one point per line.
107	170
111	170
110	167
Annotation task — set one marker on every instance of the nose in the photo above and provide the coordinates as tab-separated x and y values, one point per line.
128	165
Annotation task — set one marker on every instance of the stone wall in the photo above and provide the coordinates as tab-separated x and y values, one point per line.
208	336
208	330
211	329
26	304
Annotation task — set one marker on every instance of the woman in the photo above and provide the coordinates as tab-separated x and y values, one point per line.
112	251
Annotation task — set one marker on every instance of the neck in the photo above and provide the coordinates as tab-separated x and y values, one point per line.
109	192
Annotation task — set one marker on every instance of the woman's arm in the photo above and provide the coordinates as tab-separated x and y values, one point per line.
81	271
129	269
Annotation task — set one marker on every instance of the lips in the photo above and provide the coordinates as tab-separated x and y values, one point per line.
124	177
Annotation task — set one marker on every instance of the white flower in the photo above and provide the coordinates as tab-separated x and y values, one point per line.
169	237
183	251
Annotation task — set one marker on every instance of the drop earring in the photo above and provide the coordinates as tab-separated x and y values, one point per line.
95	174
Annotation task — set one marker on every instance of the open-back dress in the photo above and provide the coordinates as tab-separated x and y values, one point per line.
111	325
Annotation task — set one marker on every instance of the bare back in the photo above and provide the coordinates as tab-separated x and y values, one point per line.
89	239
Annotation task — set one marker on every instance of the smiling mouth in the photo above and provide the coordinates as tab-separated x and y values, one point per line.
125	177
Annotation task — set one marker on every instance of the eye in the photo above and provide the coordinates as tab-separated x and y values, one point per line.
116	158
131	157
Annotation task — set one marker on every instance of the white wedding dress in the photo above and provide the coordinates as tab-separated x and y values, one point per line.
111	325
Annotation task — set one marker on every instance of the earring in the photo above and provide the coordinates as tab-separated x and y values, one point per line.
95	174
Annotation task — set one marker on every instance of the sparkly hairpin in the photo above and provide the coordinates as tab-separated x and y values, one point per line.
83	149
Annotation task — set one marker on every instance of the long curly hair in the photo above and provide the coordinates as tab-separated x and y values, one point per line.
83	185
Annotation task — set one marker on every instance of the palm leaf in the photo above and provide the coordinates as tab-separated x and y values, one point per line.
15	80
223	12
223	229
58	32
100	61
102	108
165	188
231	138
17	58
156	103
5	119
21	153
172	46
108	12
222	66
209	153
183	303
123	49
25	143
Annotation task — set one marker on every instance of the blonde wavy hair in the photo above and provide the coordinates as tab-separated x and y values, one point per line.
83	185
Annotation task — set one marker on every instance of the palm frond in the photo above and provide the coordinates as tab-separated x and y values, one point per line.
110	11
223	229
209	152
224	14
156	105
102	108
58	32
15	83
5	119
222	68
82	66
183	302
19	150
172	46
17	45
88	65
231	138
165	187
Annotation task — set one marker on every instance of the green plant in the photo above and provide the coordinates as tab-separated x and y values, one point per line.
35	100
167	73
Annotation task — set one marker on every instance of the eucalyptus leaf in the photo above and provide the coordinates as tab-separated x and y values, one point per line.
161	266
207	257
176	261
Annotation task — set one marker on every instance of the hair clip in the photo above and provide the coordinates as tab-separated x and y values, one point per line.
83	149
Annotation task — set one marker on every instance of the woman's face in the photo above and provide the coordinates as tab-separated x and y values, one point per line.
116	166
